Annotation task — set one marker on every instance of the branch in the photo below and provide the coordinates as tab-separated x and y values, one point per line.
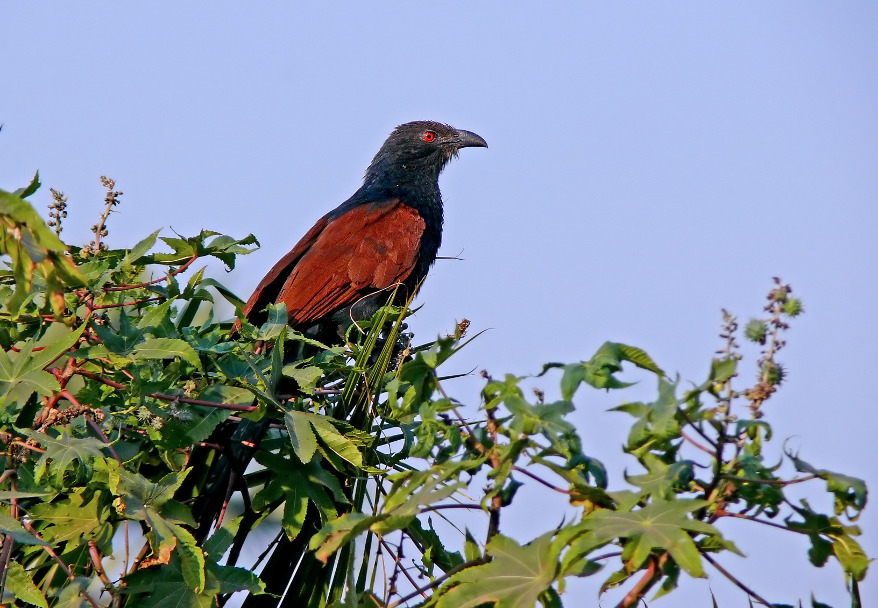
539	479
121	304
95	556
736	582
455	506
697	429
148	283
771	482
649	578
760	521
436	582
172	398
97	429
496	500
59	561
695	443
398	567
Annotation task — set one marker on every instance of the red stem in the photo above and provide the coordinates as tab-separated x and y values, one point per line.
164	397
148	283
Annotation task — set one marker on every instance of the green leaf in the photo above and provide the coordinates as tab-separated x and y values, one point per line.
22	587
751	427
303	426
142	247
662	480
295	510
54	349
305	377
220	541
32	187
635	355
599	371
658	424
191	559
340	531
10	494
851	556
301	434
22	374
146	501
222	393
435	546
166	348
276	323
850	492
70	518
471	550
71	594
515	577
12	527
722	369
167	586
65	453
663	525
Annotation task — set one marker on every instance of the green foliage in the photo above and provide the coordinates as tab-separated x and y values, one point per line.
122	395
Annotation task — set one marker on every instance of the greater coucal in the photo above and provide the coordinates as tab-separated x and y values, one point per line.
386	234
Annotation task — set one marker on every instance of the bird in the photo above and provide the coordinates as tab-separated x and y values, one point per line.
386	235
384	238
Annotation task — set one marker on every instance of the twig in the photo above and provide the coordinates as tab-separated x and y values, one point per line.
648	579
697	429
436	582
771	482
35	349
97	429
398	568
127	287
454	506
496	500
695	443
759	521
541	480
478	444
5	554
125	566
60	562
736	582
121	304
144	551
172	398
27	446
95	556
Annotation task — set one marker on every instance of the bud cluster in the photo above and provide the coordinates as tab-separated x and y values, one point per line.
57	210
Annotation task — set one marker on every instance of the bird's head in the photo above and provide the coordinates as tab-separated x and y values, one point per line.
418	151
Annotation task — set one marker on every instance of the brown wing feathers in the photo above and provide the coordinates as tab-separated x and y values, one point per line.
369	248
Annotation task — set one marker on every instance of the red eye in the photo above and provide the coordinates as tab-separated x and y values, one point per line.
429	136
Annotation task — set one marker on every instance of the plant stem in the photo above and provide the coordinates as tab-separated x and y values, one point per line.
649	578
735	581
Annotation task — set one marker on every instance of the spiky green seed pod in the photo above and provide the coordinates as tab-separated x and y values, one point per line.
773	373
756	331
793	307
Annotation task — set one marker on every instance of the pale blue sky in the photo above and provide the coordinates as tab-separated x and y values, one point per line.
649	165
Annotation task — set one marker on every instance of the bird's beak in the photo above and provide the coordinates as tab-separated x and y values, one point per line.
467	139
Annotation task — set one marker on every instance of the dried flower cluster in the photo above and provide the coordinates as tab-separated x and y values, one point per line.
100	229
57	210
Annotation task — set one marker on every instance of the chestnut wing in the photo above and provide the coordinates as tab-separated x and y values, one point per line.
368	248
270	285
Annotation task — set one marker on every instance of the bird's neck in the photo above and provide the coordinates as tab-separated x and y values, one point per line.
417	187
